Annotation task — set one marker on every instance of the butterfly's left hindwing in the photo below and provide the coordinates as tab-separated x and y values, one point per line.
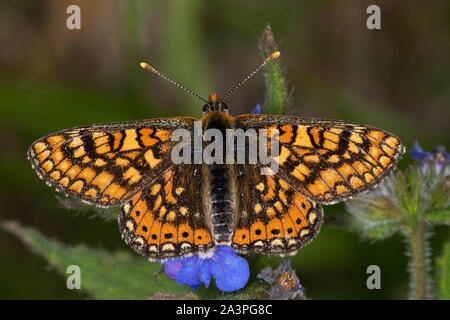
106	164
272	216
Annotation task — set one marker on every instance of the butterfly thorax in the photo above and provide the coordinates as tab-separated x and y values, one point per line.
219	201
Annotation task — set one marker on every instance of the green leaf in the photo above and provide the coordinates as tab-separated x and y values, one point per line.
439	193
376	215
440	215
256	290
383	230
407	191
444	266
169	296
276	98
374	209
81	208
375	231
104	275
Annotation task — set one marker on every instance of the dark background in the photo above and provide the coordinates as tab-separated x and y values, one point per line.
51	78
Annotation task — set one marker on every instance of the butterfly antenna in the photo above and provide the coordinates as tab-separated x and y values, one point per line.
148	67
275	55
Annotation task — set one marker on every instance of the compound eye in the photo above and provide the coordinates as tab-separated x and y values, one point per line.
223	107
206	109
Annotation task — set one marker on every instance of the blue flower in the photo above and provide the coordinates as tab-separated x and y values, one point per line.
439	157
230	271
257	109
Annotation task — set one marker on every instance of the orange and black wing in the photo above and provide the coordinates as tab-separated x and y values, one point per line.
106	164
329	161
272	216
167	218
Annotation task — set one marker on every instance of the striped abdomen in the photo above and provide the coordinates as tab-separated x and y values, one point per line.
221	202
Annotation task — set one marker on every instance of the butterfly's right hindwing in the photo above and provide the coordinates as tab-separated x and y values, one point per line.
167	219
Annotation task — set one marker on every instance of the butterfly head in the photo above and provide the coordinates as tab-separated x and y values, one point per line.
214	104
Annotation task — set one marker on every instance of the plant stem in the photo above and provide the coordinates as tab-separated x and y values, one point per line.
276	97
417	240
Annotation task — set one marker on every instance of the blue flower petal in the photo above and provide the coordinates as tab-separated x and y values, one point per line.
205	273
417	146
439	157
257	109
230	271
224	248
188	272
418	154
171	269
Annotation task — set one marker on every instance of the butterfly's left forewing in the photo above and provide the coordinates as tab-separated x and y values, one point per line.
329	160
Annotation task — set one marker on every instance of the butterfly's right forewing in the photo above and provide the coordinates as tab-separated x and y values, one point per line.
106	164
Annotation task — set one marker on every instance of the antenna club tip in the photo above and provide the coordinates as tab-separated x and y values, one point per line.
145	65
275	55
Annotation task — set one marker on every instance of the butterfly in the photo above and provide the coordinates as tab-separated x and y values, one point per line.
172	210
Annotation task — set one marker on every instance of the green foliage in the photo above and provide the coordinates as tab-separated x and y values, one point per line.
121	275
444	268
376	215
276	98
406	202
256	290
184	51
439	215
104	275
400	203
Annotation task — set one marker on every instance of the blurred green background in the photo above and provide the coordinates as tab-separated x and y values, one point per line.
52	78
